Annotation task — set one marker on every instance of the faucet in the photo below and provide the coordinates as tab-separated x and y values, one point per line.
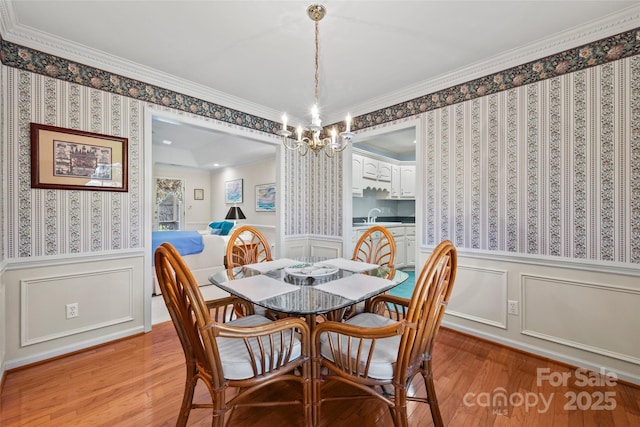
370	218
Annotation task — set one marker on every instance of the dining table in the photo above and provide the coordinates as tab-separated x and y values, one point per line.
308	287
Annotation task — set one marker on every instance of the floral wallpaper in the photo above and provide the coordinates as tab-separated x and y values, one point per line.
551	168
50	89
45	222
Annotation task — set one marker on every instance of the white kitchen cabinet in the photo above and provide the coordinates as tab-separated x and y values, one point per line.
376	169
384	171
369	168
357	186
400	241
395	181
408	181
410	245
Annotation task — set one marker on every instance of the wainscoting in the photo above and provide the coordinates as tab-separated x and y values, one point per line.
108	290
584	314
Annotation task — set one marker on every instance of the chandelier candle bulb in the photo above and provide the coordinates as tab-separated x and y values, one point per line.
299	133
333	137
284	122
315	116
348	123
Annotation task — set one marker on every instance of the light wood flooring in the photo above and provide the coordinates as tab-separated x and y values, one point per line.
139	382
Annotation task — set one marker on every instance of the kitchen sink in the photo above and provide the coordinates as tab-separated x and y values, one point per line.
371	224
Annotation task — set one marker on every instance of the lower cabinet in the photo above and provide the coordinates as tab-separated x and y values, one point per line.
410	246
399	239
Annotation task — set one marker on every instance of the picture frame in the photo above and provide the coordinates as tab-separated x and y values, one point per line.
233	191
198	194
266	197
70	159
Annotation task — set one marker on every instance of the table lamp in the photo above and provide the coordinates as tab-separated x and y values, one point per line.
235	213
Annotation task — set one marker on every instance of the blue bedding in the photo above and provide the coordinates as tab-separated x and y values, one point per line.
186	242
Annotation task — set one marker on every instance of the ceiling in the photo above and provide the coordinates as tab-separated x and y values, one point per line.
258	56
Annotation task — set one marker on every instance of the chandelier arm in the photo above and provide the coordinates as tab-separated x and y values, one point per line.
287	144
329	152
304	148
340	150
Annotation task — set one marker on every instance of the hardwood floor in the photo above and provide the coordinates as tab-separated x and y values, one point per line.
139	382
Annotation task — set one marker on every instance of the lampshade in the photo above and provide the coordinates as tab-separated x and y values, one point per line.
235	213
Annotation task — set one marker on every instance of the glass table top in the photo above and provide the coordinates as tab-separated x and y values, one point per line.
303	295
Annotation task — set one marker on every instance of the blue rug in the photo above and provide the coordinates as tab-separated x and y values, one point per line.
405	289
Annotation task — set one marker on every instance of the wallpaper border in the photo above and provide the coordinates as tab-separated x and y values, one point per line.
599	52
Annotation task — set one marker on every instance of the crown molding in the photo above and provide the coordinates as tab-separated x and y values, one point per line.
612	24
14	32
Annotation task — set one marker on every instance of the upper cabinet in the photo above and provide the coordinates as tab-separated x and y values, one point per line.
408	181
392	178
357	185
370	168
375	174
396	189
376	169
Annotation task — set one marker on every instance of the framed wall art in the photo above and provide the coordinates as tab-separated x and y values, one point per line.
266	197
69	159
233	191
198	194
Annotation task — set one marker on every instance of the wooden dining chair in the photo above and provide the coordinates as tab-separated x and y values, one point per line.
375	246
247	353
247	245
388	345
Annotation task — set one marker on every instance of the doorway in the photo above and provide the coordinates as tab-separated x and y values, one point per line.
187	162
383	175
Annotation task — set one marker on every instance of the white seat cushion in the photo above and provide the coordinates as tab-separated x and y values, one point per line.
236	362
385	353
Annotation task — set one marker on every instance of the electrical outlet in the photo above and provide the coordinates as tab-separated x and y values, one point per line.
72	310
513	307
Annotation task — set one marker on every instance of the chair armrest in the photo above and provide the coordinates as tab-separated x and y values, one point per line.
349	348
390	306
266	329
270	346
229	308
356	331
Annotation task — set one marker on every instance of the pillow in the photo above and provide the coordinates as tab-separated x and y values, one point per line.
216	231
223	226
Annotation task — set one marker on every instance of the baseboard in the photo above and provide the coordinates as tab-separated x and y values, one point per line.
3	375
573	362
68	350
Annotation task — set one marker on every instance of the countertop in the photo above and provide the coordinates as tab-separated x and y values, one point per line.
361	225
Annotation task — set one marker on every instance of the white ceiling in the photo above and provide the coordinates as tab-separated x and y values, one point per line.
259	54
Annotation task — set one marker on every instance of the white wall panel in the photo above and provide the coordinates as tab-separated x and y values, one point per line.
325	249
480	294
104	298
601	318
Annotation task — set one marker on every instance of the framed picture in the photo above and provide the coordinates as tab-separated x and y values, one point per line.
233	191
69	159
198	194
266	197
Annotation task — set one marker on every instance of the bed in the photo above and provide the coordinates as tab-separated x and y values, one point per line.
203	263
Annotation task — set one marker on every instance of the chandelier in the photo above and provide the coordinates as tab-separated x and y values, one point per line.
330	145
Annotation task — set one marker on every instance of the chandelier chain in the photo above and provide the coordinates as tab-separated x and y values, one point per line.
316	63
